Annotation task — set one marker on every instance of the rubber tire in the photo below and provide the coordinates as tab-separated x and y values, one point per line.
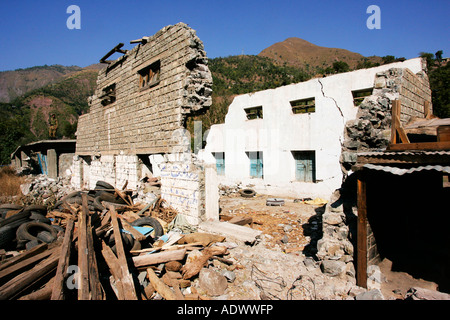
104	185
150	221
40	218
247	193
23	232
45	236
7	235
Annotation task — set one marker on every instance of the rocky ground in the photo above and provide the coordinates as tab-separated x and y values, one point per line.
281	265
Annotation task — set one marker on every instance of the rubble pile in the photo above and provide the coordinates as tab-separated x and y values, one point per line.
45	190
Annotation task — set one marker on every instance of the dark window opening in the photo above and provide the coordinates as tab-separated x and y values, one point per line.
359	95
108	95
303	106
149	76
254	113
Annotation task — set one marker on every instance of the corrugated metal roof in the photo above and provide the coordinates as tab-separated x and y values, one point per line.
403	153
401	171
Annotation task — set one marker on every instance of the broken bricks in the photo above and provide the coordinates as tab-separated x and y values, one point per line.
84	264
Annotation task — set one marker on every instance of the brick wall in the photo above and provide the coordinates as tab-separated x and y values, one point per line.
141	121
414	91
183	187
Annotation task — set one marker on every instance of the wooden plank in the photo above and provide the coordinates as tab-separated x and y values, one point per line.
23	256
21	266
23	281
114	268
94	278
161	257
394	115
127	280
63	263
361	241
401	132
83	283
136	234
443	133
160	286
441	145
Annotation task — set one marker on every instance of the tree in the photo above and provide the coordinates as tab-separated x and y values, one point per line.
438	55
429	57
340	66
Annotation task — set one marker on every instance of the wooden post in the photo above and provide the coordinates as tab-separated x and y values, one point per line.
361	242
83	290
127	279
394	113
94	278
61	271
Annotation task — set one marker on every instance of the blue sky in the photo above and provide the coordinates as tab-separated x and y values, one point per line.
35	32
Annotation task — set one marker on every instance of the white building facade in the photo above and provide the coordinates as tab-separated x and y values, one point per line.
288	141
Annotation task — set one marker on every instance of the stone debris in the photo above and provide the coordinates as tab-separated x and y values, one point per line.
168	263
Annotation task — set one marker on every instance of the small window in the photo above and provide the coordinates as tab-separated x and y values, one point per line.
359	95
149	76
256	164
220	163
254	113
303	106
108	95
305	166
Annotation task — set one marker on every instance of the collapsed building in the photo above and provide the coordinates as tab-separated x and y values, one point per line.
136	124
300	140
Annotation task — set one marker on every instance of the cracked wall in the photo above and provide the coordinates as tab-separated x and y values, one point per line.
137	113
280	134
371	129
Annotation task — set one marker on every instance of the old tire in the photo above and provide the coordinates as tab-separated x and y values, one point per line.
100	185
29	230
7	235
247	193
149	221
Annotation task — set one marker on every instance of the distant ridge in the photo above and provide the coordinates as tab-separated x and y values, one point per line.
301	53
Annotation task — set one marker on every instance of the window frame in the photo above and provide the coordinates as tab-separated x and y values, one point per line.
363	94
150	75
302	106
254	111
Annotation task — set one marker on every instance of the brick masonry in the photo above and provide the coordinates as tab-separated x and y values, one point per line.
142	121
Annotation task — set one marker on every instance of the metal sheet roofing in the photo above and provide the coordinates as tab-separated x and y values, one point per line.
403	153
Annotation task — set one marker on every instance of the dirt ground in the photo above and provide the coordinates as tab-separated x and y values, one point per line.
290	228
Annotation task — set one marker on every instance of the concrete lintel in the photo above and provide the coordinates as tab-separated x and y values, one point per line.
230	230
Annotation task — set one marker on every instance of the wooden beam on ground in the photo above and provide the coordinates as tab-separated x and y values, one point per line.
94	278
83	283
114	268
161	257
160	286
361	242
24	281
127	280
23	256
63	263
23	265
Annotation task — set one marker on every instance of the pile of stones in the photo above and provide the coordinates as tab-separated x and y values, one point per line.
46	191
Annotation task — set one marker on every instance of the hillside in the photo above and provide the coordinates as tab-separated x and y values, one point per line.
15	83
300	53
25	118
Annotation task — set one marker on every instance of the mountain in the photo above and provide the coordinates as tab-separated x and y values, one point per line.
15	83
25	118
310	57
